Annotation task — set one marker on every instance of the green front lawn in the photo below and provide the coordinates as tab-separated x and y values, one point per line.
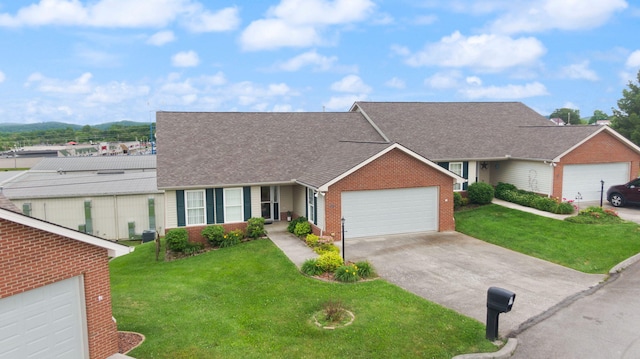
250	301
590	248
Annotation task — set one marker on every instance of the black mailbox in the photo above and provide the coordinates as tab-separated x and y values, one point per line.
500	299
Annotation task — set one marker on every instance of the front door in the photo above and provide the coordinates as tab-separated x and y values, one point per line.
270	202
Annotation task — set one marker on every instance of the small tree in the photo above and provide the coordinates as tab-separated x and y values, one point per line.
568	115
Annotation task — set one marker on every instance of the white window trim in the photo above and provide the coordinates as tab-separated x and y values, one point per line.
226	206
457	186
310	204
187	208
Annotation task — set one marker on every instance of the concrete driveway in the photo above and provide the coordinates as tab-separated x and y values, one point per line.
455	271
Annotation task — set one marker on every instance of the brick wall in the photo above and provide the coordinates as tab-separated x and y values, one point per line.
394	169
602	148
31	258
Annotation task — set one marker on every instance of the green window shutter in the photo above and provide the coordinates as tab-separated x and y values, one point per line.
151	203
315	210
246	197
210	206
465	174
444	165
182	217
219	205
87	217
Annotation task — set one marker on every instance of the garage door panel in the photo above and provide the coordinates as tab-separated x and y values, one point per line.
46	322
582	181
390	211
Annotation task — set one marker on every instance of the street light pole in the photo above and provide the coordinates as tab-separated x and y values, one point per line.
342	227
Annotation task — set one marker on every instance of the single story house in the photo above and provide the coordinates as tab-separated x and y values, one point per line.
113	197
383	167
55	294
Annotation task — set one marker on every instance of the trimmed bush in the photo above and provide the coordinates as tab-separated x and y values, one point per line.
501	187
292	225
326	247
511	194
329	261
177	239
255	228
457	200
312	240
480	193
302	229
311	267
213	234
347	273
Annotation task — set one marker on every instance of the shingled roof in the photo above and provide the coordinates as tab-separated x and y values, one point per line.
229	148
444	131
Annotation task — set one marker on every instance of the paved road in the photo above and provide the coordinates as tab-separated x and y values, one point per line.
603	324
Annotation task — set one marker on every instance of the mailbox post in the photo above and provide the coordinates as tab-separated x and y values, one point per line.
499	300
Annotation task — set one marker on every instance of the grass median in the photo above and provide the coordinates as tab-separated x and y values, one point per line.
589	248
250	301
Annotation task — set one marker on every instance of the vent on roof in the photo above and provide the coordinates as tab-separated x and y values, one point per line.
113	172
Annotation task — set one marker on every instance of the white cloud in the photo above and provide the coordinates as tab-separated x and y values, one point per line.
482	52
122	13
310	58
510	92
2	77
352	84
474	80
300	23
395	82
161	38
81	85
116	92
343	103
580	71
541	15
634	59
443	80
185	59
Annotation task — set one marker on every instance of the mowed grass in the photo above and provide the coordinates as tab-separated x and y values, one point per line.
589	248
250	301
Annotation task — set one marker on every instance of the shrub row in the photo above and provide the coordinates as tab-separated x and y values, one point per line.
511	193
178	239
331	262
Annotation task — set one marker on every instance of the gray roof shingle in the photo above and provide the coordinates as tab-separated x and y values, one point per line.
96	163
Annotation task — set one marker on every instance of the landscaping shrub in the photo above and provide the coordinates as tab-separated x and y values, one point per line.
326	247
193	248
311	240
302	229
292	225
480	193
255	228
177	239
502	187
365	269
213	234
310	267
347	273
457	200
232	238
510	193
329	261
596	215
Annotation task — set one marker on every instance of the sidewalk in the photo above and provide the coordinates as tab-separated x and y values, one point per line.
290	245
530	210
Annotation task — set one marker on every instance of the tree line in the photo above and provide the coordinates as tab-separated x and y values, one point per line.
84	134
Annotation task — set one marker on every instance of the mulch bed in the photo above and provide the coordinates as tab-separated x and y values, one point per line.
128	341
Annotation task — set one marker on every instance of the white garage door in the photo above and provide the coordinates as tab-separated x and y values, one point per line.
46	322
390	211
584	180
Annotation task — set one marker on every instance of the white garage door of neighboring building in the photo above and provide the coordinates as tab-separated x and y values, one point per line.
46	322
390	211
585	179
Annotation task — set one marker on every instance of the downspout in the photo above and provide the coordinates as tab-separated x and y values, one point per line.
115	214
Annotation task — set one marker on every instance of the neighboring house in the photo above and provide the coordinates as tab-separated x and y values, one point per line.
55	298
385	167
113	197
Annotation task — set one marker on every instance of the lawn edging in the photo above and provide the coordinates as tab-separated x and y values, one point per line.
505	352
624	264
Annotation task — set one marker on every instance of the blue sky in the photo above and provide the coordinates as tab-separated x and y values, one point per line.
90	62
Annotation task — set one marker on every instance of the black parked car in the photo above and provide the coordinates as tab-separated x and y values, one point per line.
623	194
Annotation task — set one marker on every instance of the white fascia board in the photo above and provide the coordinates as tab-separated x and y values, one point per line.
603	128
114	249
456	178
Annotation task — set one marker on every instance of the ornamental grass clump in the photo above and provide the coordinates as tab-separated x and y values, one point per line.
310	267
347	273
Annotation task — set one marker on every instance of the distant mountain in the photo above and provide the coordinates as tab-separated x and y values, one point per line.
44	126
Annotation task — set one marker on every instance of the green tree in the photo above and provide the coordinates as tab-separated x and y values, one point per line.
626	118
568	115
598	116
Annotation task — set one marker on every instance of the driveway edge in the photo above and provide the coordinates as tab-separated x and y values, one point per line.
505	352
